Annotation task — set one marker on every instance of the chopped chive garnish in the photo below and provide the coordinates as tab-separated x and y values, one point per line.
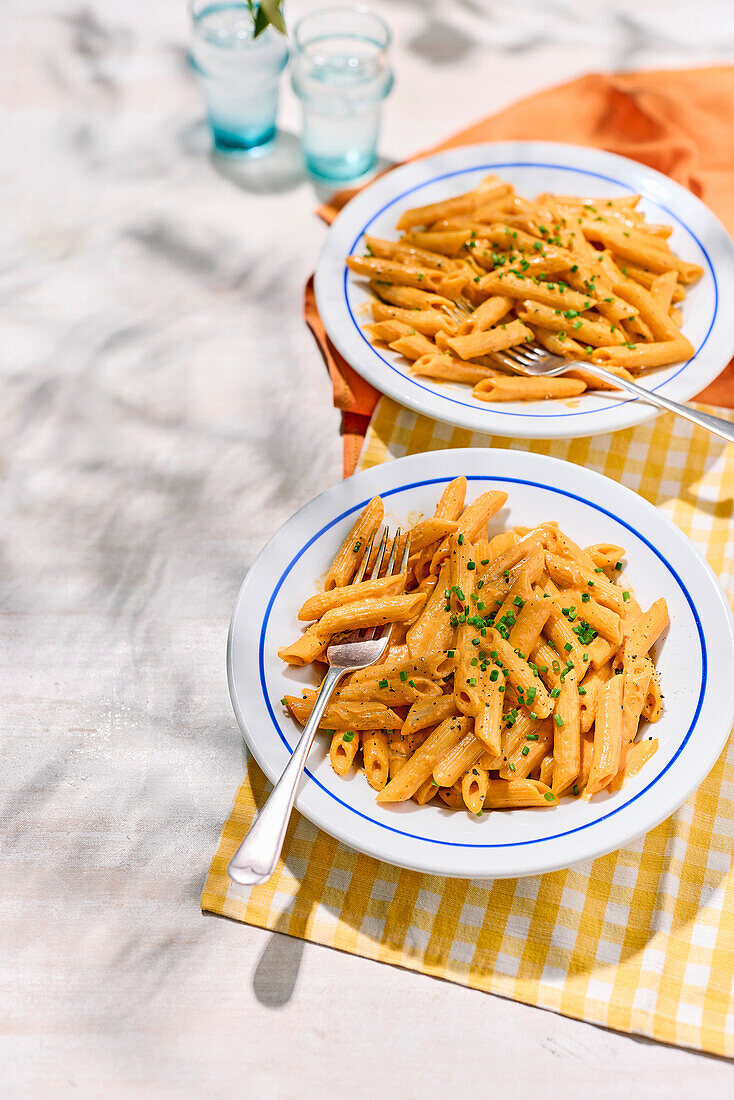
549	796
558	720
472	680
348	736
494	675
460	540
625	596
382	683
403	675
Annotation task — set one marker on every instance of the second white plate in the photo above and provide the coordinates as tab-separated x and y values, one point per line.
532	167
699	698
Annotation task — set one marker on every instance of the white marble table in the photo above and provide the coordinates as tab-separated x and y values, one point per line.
162	410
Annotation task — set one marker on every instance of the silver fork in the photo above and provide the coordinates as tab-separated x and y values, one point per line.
533	359
255	859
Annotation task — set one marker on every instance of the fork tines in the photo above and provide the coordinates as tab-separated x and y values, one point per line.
369	570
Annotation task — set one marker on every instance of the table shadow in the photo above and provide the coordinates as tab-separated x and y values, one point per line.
276	172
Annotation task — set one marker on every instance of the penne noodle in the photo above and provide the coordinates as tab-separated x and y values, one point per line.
552	295
605	555
427	321
646	631
451	503
653	700
452	796
662	289
345	716
607	737
445	368
525	743
425	792
463	755
519	673
306	649
385	332
486	315
646	253
567	734
572	574
474	785
448	284
319	604
597	332
509	388
528	628
351	552
376	758
460	204
366	613
432	629
447	242
407	297
344	746
421	764
503	794
428	531
413	346
489	340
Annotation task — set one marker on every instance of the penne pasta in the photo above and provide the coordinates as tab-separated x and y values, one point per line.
376	758
344	745
607	737
422	762
351	552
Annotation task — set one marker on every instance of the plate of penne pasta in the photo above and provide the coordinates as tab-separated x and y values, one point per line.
438	267
556	677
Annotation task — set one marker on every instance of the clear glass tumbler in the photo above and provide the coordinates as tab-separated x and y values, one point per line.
238	73
341	75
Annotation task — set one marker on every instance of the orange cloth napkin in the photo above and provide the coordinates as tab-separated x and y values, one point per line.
680	122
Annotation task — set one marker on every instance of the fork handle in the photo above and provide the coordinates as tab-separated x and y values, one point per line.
255	859
714	424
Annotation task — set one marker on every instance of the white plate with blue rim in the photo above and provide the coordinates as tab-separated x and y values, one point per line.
660	561
533	167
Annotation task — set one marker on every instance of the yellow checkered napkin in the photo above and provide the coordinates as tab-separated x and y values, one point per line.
641	940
